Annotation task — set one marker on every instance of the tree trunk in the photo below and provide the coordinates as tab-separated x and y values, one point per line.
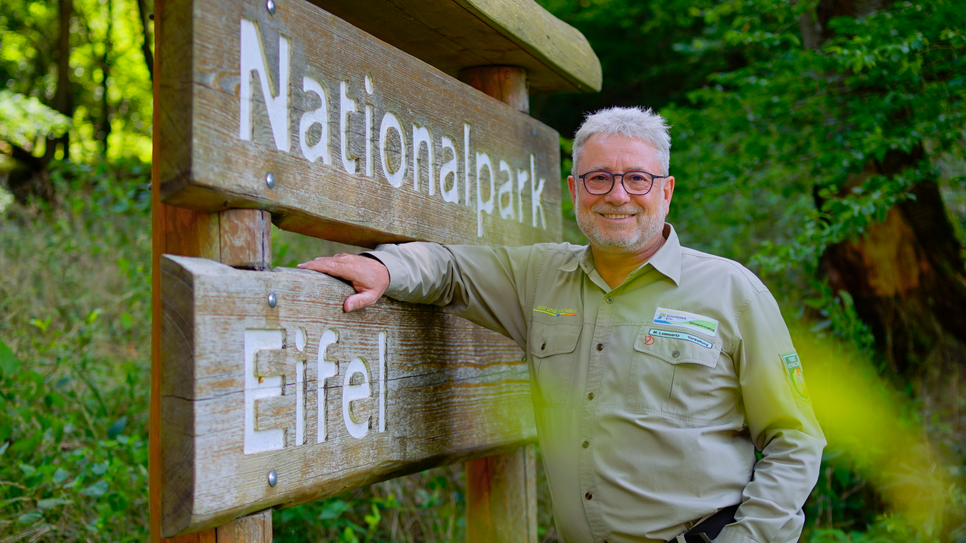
907	278
146	43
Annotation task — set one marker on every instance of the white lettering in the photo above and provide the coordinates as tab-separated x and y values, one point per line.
395	178
483	161
368	128
300	340
422	135
448	169
521	184
466	164
536	195
320	117
382	382
352	392
506	189
256	388
346	105
253	59
326	368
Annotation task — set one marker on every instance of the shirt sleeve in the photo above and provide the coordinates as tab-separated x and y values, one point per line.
485	285
782	425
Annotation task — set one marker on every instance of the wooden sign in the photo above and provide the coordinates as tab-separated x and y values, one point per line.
272	395
340	135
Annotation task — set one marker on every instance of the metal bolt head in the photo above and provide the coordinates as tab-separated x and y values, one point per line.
270	178
272	476
272	300
270	6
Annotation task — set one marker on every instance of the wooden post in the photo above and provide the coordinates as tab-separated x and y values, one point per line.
501	490
237	237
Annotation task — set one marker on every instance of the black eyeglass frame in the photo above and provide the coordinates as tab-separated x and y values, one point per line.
613	180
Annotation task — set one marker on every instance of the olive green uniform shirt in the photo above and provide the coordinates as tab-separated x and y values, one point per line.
650	398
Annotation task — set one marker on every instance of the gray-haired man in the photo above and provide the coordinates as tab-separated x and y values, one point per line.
657	370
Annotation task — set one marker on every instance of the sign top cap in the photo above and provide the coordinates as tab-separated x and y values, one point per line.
452	35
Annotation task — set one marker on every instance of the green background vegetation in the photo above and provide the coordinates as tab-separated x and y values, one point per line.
774	119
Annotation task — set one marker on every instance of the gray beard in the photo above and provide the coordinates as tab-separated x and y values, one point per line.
631	241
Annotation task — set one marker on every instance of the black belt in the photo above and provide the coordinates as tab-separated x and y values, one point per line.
709	528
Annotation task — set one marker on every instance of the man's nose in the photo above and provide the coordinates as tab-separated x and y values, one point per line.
617	195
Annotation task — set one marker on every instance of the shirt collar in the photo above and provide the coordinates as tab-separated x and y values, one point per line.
666	260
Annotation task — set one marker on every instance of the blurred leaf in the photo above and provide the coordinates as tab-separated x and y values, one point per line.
8	362
96	490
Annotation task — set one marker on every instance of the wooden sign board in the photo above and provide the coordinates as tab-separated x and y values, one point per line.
340	135
264	376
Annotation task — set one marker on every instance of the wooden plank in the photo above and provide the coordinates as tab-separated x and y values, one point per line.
440	390
507	84
254	528
245	238
501	495
356	183
456	34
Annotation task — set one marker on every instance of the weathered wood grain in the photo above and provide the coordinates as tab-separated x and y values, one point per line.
210	165
452	391
502	496
456	34
254	528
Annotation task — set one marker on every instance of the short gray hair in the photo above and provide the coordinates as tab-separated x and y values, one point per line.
632	122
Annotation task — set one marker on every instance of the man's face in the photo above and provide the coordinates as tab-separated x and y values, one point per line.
618	222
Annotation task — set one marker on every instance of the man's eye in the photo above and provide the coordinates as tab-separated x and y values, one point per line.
599	177
636	177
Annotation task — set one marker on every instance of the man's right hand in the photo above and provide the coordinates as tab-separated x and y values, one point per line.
367	275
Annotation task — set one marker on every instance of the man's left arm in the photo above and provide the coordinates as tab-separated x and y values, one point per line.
782	425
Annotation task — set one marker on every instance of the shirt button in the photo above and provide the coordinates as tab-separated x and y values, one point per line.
676	354
600	346
590	396
588	496
610	300
585	444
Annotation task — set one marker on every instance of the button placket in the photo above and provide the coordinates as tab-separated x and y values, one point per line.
588	424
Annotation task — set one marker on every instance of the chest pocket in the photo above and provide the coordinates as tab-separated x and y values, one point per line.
677	371
552	348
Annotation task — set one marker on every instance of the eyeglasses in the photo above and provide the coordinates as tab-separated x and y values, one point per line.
636	183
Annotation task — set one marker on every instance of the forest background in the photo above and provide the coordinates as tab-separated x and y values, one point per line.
820	142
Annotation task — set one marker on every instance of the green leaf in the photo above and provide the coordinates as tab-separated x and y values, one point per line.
60	476
99	468
30	518
8	362
27	469
116	428
50	503
96	490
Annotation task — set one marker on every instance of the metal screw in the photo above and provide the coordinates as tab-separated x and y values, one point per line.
272	300
270	178
272	476
270	6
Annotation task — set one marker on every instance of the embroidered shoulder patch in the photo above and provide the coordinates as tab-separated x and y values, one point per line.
796	379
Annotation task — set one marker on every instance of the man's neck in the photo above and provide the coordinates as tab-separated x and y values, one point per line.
614	267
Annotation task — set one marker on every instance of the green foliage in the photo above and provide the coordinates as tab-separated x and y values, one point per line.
23	120
426	507
798	125
110	92
74	358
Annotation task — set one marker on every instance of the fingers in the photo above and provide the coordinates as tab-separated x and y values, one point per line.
368	277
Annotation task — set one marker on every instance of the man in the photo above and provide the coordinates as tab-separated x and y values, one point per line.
657	370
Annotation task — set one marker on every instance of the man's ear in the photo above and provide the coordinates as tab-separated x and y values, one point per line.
572	185
667	192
